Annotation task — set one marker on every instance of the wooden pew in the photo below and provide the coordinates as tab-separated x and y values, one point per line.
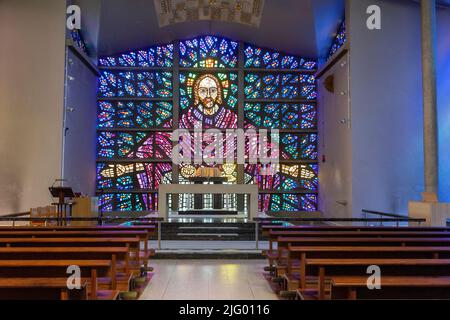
90	269
118	254
132	243
142	234
274	235
149	228
40	289
353	267
280	264
267	228
355	287
301	254
284	242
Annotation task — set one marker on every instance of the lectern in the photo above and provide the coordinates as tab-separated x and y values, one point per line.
64	208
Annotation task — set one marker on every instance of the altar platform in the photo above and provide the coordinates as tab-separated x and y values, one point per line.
173	249
251	191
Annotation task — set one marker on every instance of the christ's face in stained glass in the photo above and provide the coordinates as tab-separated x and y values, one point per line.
208	94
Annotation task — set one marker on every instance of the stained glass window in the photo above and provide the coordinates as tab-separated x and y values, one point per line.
223	111
280	116
339	40
135	84
283	177
130	114
289	202
77	38
256	57
134	145
188	148
129	202
159	56
208	52
280	86
298	146
138	108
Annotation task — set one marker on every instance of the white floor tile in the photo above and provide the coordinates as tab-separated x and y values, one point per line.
208	280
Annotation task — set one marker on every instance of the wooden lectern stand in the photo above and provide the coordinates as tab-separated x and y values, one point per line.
64	209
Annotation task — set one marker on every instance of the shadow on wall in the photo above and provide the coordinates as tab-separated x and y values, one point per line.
11	190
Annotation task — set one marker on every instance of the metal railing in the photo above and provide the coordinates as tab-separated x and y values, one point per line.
257	221
393	218
14	218
390	217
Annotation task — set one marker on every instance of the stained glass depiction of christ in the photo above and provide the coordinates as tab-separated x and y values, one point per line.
145	93
208	101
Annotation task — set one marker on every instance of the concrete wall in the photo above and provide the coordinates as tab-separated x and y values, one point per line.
443	86
335	174
90	23
329	15
80	123
79	164
32	54
386	107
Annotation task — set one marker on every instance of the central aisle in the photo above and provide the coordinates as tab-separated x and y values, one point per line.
208	280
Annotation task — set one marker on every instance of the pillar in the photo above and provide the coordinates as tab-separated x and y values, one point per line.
430	132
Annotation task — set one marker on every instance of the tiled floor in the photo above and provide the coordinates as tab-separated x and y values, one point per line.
208	280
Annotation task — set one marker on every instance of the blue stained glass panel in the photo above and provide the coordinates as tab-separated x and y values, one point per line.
159	56
339	40
144	83
256	57
280	116
280	86
208	52
129	114
288	202
135	84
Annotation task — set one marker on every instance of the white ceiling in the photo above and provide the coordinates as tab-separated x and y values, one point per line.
303	27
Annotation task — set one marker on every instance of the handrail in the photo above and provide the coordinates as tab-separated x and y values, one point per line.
256	220
44	219
393	215
366	220
419	220
100	221
390	215
15	215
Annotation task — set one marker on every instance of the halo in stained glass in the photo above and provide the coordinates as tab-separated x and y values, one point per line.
194	109
208	52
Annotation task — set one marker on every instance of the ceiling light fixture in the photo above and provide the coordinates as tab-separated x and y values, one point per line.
248	12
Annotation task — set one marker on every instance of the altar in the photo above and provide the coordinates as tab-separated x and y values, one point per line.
201	189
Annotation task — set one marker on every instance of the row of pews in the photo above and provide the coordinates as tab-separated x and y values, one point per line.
334	262
42	262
